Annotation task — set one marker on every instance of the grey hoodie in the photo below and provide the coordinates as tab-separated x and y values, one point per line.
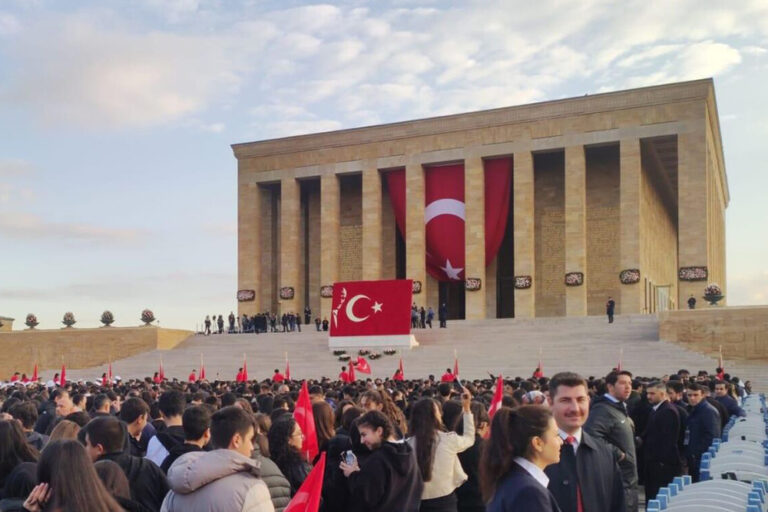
216	481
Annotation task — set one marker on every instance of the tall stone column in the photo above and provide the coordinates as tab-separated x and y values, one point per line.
248	246
692	199
415	232
630	165
372	223
329	241
575	228
290	246
524	239
474	234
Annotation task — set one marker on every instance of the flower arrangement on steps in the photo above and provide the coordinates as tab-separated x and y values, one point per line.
713	294
31	321
69	319
107	318
147	317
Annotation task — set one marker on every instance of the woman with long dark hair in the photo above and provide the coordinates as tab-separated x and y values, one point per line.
285	440
523	442
436	452
14	449
68	481
373	400
324	428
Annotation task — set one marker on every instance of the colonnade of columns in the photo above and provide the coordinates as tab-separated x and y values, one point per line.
692	227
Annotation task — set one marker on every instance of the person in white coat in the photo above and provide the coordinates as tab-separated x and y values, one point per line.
222	480
437	452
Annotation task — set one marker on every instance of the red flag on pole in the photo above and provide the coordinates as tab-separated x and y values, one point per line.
63	377
399	375
34	374
307	498
362	365
287	368
721	370
497	397
161	373
109	371
351	373
303	415
455	365
245	369
202	368
621	356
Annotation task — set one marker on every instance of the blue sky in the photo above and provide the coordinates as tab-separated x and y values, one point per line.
117	183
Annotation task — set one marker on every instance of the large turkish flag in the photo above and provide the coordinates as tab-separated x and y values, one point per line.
444	213
371	308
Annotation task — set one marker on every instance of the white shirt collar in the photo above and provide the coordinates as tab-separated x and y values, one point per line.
533	470
656	407
612	398
564	435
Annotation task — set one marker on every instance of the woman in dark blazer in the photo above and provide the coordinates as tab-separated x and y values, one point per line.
523	442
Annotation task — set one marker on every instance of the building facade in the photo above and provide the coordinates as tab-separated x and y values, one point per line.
620	194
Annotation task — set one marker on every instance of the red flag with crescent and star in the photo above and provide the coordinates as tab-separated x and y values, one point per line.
371	308
445	213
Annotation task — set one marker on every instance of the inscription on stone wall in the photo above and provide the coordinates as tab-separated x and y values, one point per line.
351	253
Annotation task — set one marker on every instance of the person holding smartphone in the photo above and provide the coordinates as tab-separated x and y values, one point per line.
437	451
389	478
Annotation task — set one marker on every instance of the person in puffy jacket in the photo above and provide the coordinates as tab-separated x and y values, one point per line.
225	479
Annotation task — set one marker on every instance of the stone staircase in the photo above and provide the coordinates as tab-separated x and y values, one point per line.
588	345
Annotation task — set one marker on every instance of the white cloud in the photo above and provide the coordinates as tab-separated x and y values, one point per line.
92	75
14	167
9	24
23	226
748	290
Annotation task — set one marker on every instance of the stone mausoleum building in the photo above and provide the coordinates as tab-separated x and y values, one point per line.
530	211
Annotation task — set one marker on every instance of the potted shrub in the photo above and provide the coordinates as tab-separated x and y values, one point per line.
107	318
69	319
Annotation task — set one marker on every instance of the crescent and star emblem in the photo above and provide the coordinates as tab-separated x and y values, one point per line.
376	307
446	207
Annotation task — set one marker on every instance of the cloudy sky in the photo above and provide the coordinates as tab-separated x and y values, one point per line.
117	183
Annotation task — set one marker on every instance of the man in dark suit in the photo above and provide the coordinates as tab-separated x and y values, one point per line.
587	478
703	427
660	442
722	395
722	412
610	422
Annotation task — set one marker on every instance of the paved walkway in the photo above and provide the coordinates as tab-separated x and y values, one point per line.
588	345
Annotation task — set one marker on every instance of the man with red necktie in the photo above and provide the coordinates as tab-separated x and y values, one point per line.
587	478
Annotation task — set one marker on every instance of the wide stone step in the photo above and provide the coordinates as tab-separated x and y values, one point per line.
588	345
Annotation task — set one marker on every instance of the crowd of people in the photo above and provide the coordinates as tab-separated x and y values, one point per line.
261	323
564	443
